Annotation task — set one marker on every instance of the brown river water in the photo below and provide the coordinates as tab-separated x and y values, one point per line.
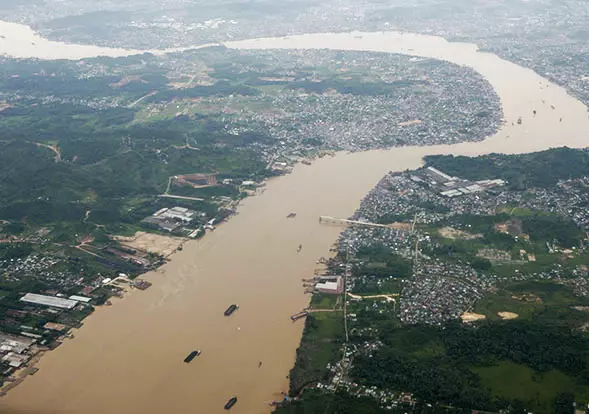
128	358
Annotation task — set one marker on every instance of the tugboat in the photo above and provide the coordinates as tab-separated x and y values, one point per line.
230	403
231	309
192	355
291	215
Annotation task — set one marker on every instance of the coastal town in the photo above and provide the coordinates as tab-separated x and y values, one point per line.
461	285
405	261
287	105
542	35
288	108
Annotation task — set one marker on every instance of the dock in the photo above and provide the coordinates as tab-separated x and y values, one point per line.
298	316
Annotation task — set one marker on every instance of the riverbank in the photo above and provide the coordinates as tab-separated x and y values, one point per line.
155	243
252	260
21	41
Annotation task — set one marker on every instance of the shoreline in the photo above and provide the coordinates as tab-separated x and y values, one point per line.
176	289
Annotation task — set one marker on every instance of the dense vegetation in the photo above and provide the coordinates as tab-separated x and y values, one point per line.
322	338
552	228
106	164
379	261
536	362
440	364
539	169
338	403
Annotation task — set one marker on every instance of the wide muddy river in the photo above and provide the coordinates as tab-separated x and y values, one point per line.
127	358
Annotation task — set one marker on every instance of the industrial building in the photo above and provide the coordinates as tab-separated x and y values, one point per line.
178	213
451	187
82	299
170	219
15	360
13	343
52	301
331	285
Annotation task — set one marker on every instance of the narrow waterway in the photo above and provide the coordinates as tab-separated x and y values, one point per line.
128	358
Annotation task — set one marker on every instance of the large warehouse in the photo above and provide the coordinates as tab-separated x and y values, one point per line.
52	301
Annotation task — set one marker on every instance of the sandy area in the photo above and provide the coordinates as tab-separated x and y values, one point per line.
153	243
507	315
471	317
451	233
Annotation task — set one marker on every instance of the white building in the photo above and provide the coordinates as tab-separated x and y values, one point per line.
331	287
49	301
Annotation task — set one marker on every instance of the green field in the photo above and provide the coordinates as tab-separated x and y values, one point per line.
324	301
534	297
377	286
320	345
536	390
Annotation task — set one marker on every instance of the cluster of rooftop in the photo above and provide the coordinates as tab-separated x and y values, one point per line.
453	186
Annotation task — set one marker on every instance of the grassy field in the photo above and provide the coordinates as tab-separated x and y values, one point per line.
320	345
324	301
527	299
537	390
417	341
377	286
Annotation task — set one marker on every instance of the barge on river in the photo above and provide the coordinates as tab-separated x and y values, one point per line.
230	403
231	309
192	355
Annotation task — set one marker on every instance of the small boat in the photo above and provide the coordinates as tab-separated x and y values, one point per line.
192	355
291	215
231	309
519	120
230	403
300	248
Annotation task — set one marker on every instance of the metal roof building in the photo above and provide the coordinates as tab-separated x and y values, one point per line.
333	287
52	301
83	299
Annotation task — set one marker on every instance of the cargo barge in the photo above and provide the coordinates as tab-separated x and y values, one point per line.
231	309
192	355
230	403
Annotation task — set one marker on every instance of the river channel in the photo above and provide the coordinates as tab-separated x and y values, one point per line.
127	358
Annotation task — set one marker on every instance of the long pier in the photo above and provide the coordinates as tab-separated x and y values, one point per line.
345	222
